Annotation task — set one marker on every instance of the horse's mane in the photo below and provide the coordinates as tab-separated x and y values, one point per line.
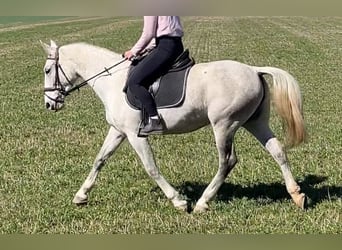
82	47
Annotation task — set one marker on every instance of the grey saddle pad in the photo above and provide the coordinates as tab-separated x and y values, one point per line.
168	91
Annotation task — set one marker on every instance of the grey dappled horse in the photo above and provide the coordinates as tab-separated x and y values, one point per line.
225	94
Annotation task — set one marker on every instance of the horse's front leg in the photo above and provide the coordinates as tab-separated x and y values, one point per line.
111	143
143	149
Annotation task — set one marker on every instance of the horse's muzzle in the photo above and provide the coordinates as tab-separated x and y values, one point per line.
53	106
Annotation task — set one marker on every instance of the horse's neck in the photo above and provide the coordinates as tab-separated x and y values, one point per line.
90	61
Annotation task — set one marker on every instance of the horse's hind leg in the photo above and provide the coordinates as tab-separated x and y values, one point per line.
227	160
111	143
260	129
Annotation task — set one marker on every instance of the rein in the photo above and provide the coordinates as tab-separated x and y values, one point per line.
77	87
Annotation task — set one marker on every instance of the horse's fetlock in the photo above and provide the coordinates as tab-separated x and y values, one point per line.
154	173
294	190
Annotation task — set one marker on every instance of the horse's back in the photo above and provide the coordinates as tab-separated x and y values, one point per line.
217	90
226	80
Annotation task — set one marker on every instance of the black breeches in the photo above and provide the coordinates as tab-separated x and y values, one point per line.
152	67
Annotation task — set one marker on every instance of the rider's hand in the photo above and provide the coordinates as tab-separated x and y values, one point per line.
128	55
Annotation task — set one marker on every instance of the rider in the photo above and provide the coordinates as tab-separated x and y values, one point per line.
166	32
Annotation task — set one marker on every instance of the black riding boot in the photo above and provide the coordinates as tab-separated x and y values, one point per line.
154	126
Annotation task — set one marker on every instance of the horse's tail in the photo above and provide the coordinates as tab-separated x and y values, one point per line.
287	100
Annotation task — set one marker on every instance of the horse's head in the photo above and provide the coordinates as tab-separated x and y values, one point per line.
59	75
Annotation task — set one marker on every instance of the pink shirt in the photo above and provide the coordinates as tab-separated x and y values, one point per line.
157	26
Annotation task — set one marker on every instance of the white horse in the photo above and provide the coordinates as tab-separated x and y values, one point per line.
225	94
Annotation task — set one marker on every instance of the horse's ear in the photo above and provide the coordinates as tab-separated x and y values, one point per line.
45	46
53	44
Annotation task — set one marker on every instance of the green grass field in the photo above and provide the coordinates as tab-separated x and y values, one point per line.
15	20
46	156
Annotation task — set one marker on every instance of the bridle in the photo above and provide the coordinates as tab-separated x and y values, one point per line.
58	86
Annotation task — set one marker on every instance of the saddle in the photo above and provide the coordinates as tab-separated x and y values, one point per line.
168	90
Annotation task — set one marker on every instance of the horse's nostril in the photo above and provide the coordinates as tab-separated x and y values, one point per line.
47	105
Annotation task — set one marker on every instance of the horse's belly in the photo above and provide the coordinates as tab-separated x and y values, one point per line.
178	120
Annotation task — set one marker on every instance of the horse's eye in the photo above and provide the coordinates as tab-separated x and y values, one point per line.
47	71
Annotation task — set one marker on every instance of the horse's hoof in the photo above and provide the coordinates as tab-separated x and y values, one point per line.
301	200
305	202
181	205
78	200
201	208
